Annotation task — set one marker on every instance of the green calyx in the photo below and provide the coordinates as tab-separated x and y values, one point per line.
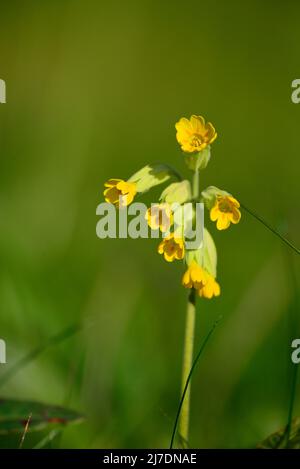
197	161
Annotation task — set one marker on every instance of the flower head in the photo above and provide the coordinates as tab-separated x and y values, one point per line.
225	211
172	248
203	282
194	277
194	135
119	192
159	216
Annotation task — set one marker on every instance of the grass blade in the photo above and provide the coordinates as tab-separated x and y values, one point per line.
47	439
294	326
270	228
189	378
25	431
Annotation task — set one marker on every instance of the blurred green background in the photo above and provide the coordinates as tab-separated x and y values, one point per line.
93	91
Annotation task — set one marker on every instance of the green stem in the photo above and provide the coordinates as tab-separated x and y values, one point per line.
188	345
196	185
184	419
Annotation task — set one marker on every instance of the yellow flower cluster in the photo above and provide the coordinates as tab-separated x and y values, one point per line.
194	136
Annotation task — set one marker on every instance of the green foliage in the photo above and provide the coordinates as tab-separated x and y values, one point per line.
278	440
15	414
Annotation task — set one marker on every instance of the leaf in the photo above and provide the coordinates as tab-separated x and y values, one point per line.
206	255
14	416
278	440
47	439
209	254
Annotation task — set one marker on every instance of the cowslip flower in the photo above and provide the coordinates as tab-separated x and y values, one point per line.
225	211
119	192
159	216
143	180
222	206
194	135
202	281
194	276
172	248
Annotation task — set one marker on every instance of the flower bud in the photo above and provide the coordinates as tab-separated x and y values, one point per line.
179	192
199	160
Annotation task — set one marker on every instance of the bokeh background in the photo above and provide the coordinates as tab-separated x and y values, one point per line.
94	89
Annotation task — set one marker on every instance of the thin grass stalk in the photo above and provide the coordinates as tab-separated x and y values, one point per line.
294	326
189	378
270	228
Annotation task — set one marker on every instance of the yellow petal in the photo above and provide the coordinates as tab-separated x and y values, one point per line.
186	280
179	254
112	195
223	222
160	248
235	216
198	124
217	289
188	148
112	182
214	213
211	134
234	201
129	198
197	275
184	125
169	257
